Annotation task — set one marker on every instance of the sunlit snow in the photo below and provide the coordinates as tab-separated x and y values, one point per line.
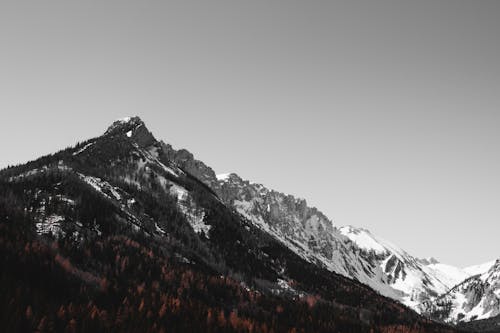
223	176
479	269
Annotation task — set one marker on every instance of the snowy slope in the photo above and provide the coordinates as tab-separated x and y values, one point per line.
303	229
364	239
479	269
352	252
478	297
449	275
417	280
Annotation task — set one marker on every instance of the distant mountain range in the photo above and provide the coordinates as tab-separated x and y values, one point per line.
124	232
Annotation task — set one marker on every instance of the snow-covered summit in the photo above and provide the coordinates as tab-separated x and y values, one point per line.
126	123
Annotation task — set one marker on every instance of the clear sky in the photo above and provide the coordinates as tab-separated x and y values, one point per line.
383	114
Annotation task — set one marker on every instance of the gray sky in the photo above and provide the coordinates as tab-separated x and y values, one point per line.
383	114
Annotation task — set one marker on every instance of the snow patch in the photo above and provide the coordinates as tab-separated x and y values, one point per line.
83	149
194	215
223	176
160	230
51	224
152	157
363	239
283	287
101	186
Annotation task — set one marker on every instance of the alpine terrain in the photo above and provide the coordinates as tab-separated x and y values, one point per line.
124	233
346	250
478	297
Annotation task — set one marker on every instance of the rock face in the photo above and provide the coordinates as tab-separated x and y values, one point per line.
352	252
478	297
185	160
134	128
288	218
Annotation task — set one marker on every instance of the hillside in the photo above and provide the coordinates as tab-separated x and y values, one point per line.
112	235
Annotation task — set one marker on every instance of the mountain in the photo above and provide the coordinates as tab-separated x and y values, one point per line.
478	297
353	252
123	233
418	279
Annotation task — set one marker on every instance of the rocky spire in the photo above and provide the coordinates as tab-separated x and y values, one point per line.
132	127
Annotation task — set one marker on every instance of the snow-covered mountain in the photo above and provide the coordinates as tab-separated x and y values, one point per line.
353	252
478	297
127	167
418	279
123	231
350	251
305	230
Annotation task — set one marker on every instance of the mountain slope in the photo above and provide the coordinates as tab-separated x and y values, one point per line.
418	279
479	269
352	252
476	298
349	251
116	234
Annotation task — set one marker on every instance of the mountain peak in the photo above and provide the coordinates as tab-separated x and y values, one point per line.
131	127
124	124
